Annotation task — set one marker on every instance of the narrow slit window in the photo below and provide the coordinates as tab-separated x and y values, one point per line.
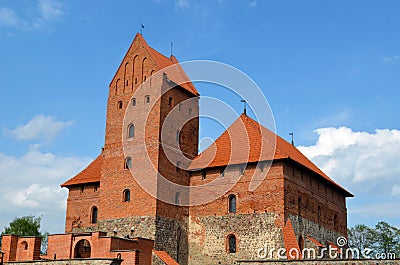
94	213
232	203
232	243
131	131
128	163
119	104
147	99
133	102
127	195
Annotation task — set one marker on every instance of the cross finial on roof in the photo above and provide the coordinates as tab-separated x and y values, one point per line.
292	134
245	105
141	29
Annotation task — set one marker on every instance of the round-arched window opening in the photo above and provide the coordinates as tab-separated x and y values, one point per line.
82	249
231	243
232	203
24	245
127	195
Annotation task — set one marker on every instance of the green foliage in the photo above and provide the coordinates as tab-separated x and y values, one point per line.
385	238
359	237
26	226
382	239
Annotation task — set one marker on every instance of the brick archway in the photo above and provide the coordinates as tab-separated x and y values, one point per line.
82	249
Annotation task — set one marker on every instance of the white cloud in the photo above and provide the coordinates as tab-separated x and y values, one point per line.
50	9
252	4
8	17
360	161
30	184
40	127
384	210
182	4
396	190
44	12
390	59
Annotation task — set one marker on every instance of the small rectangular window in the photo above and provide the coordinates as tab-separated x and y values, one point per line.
180	106
133	102
147	99
119	104
190	111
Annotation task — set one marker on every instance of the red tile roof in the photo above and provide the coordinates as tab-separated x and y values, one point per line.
334	246
290	241
246	141
165	257
316	242
173	70
91	174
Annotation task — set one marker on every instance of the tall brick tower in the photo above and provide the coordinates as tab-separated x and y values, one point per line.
151	143
106	196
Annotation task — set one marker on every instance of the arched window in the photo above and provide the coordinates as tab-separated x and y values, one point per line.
119	104
299	205
177	198
131	130
128	163
94	215
143	69
319	215
127	195
82	249
335	222
231	243
232	203
24	245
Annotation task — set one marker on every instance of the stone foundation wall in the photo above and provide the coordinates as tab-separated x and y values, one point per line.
304	227
144	226
208	237
172	237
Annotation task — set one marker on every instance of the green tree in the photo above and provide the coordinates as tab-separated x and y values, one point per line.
385	238
359	237
26	226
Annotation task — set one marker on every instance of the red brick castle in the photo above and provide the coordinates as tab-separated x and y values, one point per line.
109	214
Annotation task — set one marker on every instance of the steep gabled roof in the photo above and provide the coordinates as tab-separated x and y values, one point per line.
167	259
290	241
91	174
174	70
246	141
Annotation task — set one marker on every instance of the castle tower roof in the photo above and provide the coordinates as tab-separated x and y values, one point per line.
247	141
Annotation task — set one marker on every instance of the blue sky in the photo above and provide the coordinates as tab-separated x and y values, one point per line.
329	69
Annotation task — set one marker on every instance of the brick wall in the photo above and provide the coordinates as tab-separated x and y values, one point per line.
20	248
80	201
